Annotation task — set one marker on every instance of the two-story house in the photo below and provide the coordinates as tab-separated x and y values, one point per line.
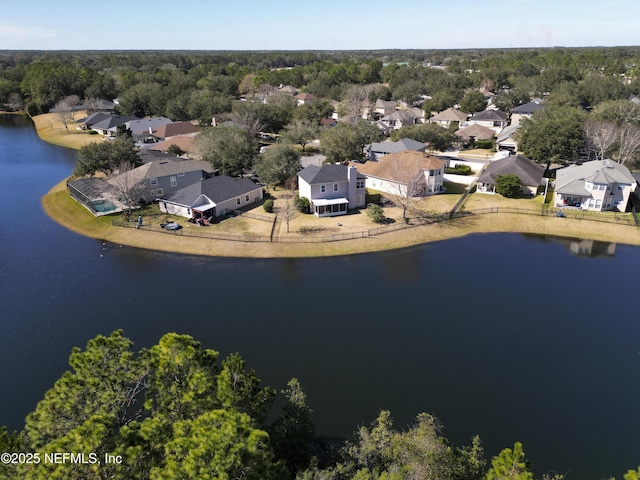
597	186
394	171
332	189
164	176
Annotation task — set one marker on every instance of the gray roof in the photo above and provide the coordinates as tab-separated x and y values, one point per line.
402	115
571	180
218	189
490	115
507	132
164	168
142	125
112	121
527	108
95	118
93	187
528	171
399	146
325	174
147	155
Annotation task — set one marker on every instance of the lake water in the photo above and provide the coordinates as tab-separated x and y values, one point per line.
510	337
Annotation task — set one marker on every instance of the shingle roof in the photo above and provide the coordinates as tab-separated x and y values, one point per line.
450	115
142	125
95	118
507	131
218	189
407	159
324	174
399	146
490	115
571	180
306	96
479	132
112	121
529	172
165	167
527	108
184	142
402	115
176	128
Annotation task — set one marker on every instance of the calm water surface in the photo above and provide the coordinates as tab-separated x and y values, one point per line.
509	337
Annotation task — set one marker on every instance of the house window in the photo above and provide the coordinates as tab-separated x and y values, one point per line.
598	203
159	191
360	184
335	187
174	182
246	198
588	185
237	201
323	188
153	181
181	174
432	173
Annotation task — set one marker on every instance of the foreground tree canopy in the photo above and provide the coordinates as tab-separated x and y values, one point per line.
174	411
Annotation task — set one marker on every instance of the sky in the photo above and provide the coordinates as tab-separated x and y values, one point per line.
315	25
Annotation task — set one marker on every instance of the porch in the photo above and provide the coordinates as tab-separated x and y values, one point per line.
329	207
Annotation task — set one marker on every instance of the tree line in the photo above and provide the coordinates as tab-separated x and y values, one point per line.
174	411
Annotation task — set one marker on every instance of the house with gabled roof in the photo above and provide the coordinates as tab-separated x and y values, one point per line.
211	197
164	176
377	150
598	185
530	173
142	128
507	138
449	116
525	111
494	119
399	119
388	174
173	129
303	98
108	126
332	189
475	132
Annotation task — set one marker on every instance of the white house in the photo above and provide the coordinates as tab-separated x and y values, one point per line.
393	172
332	189
597	186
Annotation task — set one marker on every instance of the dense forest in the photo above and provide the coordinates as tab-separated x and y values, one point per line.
585	90
174	411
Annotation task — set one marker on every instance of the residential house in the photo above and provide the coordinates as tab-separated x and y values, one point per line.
383	108
288	89
91	120
108	126
165	176
530	173
397	120
475	132
211	197
494	119
331	189
598	185
378	150
507	138
392	174
170	130
184	142
304	98
449	116
525	111
142	128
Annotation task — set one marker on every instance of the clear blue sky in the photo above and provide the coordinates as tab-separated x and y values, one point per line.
321	25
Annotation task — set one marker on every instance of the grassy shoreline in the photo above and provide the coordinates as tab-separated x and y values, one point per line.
58	205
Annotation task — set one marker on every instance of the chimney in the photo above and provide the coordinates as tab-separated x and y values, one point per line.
150	130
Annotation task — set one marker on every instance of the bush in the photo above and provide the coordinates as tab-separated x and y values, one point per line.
376	213
508	185
302	204
268	206
485	144
459	169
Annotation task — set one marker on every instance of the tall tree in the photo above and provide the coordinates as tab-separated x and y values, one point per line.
105	157
278	163
510	464
229	149
300	132
473	102
552	134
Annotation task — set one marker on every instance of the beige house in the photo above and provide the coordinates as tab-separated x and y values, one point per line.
396	170
597	186
449	116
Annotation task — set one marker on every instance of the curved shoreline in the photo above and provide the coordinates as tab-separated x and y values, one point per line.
73	216
59	206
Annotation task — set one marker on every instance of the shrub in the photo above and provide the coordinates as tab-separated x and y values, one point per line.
302	204
268	205
375	212
459	169
508	185
485	144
